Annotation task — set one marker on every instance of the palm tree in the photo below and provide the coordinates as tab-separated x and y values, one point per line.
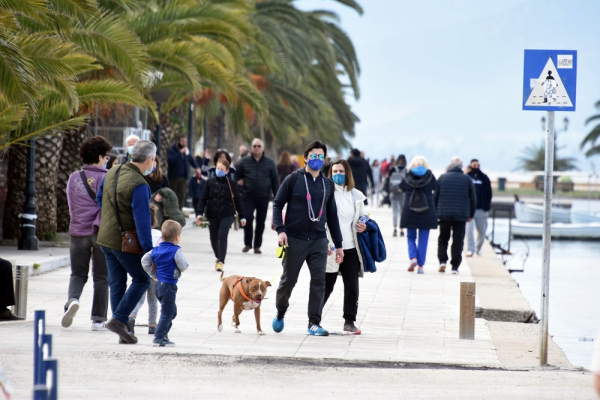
592	137
533	159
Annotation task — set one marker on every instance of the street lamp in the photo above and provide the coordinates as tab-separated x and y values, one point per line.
28	240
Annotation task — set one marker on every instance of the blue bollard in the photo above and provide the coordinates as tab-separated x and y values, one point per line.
39	331
40	392
51	364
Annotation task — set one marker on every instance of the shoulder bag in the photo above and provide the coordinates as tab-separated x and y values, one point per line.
129	240
87	186
236	218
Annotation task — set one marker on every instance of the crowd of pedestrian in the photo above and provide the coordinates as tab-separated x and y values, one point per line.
126	217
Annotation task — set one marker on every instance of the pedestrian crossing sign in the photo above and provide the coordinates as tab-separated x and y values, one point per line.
550	80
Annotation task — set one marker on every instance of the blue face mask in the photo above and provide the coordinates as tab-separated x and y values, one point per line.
316	165
105	165
220	173
419	171
339	179
130	150
153	170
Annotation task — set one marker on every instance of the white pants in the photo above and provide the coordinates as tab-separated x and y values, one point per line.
480	221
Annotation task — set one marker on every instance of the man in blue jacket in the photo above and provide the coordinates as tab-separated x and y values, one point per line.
179	157
311	204
455	204
483	192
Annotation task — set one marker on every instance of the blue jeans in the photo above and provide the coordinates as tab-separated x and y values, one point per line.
122	299
165	293
418	251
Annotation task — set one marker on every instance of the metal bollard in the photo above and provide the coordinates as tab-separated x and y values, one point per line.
21	277
467	311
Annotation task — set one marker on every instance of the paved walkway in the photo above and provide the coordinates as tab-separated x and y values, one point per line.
404	317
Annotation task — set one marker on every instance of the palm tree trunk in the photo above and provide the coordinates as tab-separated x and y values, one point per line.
15	196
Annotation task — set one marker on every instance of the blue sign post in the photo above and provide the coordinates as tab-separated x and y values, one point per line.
549	84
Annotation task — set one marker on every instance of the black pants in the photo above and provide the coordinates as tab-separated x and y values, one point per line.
349	270
261	205
458	238
179	186
7	290
82	249
314	252
219	230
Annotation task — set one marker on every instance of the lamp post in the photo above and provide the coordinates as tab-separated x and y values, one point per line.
28	240
556	132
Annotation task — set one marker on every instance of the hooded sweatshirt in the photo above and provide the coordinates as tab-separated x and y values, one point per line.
418	178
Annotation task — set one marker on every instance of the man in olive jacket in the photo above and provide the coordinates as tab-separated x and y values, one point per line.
257	174
455	203
132	197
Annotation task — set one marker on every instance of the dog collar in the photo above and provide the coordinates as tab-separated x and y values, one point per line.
238	280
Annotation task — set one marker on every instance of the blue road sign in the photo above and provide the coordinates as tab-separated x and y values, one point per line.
550	80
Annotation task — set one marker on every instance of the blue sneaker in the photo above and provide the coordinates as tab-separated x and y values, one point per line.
277	324
420	270
316	330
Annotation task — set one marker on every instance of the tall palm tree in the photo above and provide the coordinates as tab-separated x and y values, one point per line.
591	138
533	159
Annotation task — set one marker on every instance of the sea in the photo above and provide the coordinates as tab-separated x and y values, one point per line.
574	313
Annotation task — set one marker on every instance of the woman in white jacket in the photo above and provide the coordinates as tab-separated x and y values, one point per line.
350	207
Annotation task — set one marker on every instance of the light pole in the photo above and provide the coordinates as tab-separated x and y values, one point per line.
28	240
556	132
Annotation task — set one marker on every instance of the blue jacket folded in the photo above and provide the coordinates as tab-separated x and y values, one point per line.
372	246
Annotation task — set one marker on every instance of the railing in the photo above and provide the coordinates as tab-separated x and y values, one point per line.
45	367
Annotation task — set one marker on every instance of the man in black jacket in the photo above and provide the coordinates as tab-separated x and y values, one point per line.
455	204
257	174
304	234
361	171
179	157
483	193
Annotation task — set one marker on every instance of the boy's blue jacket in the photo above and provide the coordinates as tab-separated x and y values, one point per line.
372	246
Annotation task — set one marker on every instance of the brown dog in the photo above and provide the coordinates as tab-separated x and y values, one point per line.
247	294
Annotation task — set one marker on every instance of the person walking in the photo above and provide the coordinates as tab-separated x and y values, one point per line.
257	175
82	187
361	171
350	208
483	192
377	178
309	196
418	212
396	194
130	141
124	199
285	166
220	202
455	204
179	157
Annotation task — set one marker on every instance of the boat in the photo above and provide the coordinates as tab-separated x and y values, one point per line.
559	230
533	213
583	218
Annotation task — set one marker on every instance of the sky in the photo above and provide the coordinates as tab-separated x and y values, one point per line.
444	78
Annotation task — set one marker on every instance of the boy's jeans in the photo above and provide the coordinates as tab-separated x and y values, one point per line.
165	293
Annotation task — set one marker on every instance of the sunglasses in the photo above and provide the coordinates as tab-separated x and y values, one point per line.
256	145
314	157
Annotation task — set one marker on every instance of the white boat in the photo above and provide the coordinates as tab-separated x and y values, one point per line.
583	218
585	231
532	213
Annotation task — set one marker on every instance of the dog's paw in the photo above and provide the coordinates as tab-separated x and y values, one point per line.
237	330
220	328
261	333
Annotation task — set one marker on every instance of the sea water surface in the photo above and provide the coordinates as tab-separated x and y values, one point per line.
574	314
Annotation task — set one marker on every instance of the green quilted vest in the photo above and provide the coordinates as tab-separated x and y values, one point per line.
130	177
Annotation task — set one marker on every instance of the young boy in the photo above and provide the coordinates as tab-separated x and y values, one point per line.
164	264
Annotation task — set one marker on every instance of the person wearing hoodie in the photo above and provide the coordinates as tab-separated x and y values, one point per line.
220	200
350	207
418	212
483	193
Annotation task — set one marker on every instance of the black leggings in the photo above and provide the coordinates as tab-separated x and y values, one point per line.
349	269
219	230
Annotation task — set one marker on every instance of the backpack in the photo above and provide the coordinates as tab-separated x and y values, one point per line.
418	201
394	181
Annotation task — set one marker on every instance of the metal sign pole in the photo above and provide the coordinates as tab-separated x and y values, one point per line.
548	182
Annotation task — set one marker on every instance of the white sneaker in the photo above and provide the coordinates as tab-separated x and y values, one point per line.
98	326
67	319
470	254
479	253
454	272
